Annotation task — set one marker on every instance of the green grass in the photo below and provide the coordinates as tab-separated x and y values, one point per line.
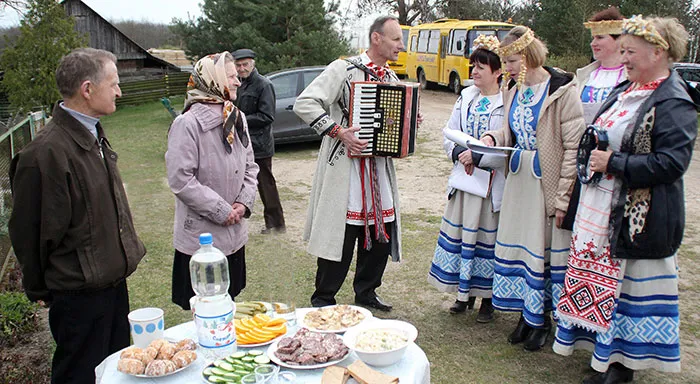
459	349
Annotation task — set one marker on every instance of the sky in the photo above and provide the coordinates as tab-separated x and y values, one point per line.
155	11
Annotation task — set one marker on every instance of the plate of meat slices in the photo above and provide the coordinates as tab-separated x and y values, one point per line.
308	350
333	318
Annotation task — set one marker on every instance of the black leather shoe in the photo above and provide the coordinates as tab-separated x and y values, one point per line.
616	373
374	302
462	306
485	311
538	337
520	333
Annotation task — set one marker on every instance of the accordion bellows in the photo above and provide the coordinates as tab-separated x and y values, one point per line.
386	114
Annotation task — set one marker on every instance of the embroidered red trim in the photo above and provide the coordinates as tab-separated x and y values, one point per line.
334	131
354	215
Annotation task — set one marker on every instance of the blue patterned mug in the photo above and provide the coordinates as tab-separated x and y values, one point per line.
146	325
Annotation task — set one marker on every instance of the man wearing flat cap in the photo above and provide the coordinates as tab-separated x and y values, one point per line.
256	98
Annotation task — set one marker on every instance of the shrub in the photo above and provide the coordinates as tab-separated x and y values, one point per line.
18	316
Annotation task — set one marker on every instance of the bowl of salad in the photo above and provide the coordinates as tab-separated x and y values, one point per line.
380	342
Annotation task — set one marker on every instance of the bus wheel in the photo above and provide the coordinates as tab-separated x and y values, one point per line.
422	80
456	84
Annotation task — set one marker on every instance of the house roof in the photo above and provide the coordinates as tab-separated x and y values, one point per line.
146	55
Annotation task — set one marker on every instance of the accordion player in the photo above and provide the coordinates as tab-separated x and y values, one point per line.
386	114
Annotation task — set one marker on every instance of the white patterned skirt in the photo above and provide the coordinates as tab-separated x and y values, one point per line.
531	252
644	332
463	260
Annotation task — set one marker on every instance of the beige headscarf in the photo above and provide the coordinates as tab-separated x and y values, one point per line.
209	84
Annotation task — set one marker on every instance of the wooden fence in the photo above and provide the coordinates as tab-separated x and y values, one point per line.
137	92
12	142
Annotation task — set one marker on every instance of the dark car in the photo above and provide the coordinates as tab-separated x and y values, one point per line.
690	72
288	83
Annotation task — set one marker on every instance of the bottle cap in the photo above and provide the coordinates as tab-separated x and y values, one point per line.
205	238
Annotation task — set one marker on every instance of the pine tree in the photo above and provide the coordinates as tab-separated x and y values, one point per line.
46	35
283	33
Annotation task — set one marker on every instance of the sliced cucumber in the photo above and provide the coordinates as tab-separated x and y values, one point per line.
207	371
238	355
248	359
262	359
233	375
242	372
255	353
223	364
218	371
218	379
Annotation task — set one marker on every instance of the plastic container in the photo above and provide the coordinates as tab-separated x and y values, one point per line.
212	306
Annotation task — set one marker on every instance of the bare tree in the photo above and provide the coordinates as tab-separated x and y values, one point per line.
407	11
17	5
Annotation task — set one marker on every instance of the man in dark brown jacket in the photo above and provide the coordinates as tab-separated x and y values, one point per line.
71	227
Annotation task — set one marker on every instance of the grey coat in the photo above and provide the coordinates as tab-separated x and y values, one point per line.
206	180
325	221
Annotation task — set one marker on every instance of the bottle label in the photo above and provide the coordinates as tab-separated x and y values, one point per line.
215	331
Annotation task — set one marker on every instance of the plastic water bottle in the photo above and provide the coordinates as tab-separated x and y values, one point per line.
213	307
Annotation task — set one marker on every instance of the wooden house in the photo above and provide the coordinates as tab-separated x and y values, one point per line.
134	62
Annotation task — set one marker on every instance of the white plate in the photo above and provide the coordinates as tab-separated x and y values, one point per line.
271	354
301	314
199	356
260	344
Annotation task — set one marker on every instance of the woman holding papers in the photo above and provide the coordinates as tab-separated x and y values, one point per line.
463	260
544	123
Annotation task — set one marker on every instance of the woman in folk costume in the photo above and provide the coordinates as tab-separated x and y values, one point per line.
596	80
212	172
463	260
620	300
544	123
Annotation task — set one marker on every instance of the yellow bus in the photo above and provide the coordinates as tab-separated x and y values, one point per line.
438	52
399	66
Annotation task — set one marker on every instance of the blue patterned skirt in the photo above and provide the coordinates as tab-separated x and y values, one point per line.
463	260
644	332
531	252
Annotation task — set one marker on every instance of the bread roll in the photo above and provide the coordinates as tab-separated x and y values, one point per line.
184	358
151	352
186	345
160	367
130	352
130	366
166	352
158	343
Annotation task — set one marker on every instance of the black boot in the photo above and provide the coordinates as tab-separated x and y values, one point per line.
616	373
538	337
485	311
461	306
520	333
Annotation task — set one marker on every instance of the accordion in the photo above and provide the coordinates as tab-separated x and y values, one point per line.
386	114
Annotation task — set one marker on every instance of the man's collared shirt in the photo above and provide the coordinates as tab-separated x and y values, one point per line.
88	122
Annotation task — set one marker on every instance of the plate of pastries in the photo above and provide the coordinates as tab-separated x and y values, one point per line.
160	358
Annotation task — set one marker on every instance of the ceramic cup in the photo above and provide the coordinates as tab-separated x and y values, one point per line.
146	325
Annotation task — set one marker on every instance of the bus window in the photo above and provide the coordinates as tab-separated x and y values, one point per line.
476	32
457	36
405	39
423	38
414	43
434	41
501	33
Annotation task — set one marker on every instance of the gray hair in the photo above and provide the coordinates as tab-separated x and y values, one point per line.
80	65
378	25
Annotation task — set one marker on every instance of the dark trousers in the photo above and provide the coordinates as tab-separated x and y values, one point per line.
371	264
87	327
267	186
182	284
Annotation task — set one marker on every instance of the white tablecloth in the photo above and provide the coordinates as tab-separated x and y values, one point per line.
413	368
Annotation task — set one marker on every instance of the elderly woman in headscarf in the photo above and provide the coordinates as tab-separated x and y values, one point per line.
212	172
620	297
